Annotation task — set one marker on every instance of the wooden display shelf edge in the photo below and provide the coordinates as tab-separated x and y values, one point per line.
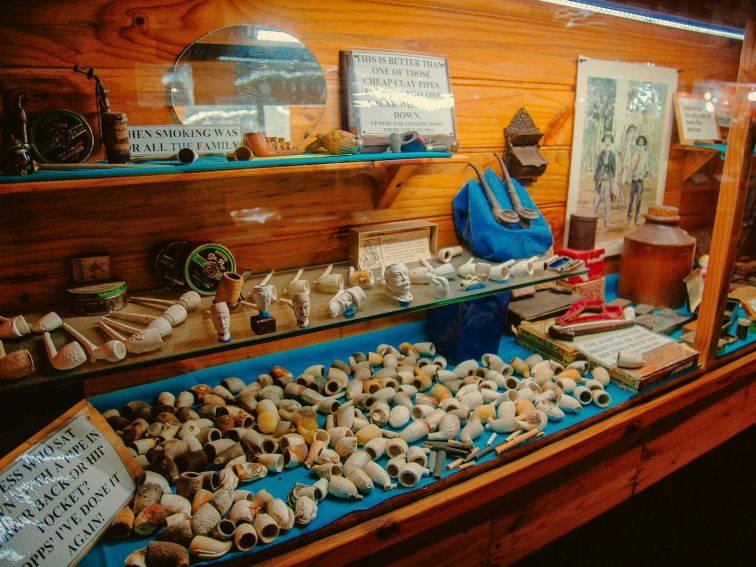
695	158
392	174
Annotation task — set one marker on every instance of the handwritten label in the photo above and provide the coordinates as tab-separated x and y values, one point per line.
170	138
401	92
604	347
698	122
408	246
60	495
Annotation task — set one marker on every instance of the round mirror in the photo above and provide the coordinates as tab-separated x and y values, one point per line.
261	78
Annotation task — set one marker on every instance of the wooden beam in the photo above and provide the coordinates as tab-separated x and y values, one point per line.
388	189
731	203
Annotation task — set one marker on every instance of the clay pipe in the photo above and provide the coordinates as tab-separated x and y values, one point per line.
67	358
526	214
15	365
184	155
14	327
145	340
506	217
112	351
189	300
160	324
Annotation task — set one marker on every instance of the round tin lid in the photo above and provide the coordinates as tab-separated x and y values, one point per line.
61	136
101	290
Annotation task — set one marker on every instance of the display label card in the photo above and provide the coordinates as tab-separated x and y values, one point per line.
170	138
696	119
604	347
408	246
397	92
59	493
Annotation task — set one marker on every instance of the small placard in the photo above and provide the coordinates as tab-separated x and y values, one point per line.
696	119
170	138
387	91
379	246
59	491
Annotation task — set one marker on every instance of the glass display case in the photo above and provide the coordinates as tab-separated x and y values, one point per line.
287	212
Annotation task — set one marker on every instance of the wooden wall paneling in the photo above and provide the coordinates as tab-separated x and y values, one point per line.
502	55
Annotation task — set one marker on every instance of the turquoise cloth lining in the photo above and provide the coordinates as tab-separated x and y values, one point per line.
210	163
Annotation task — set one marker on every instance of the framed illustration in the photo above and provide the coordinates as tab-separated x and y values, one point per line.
696	119
620	144
387	92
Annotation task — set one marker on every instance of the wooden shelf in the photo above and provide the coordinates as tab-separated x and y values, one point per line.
390	175
695	158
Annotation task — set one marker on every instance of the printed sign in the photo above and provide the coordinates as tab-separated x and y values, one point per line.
58	496
696	119
169	139
397	92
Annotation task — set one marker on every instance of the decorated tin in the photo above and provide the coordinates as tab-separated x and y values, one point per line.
98	298
61	136
184	264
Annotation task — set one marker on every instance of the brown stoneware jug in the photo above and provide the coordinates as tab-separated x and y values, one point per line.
656	257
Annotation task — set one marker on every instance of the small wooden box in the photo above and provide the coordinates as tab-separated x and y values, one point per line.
380	245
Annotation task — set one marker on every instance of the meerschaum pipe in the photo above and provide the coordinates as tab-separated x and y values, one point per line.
189	300
69	357
47	323
145	340
13	327
112	351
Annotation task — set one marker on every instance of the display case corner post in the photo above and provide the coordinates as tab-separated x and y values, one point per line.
731	202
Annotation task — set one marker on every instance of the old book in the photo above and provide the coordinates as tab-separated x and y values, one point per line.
664	361
662	355
534	335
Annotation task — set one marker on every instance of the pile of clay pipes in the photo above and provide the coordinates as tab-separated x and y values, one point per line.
342	422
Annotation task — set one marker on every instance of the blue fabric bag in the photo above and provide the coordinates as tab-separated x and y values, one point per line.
477	227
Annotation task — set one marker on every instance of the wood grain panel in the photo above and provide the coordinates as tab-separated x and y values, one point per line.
502	55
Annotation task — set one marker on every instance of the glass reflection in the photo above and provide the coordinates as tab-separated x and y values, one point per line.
259	77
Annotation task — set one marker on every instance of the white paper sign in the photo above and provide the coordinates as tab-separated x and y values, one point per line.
401	92
698	122
58	497
407	246
604	347
170	138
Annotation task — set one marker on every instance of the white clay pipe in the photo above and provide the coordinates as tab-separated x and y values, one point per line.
264	281
14	327
444	270
184	155
69	357
175	314
297	285
329	282
189	300
112	351
145	340
47	323
160	324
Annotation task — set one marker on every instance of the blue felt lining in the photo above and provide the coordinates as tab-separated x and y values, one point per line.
107	553
477	227
211	163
